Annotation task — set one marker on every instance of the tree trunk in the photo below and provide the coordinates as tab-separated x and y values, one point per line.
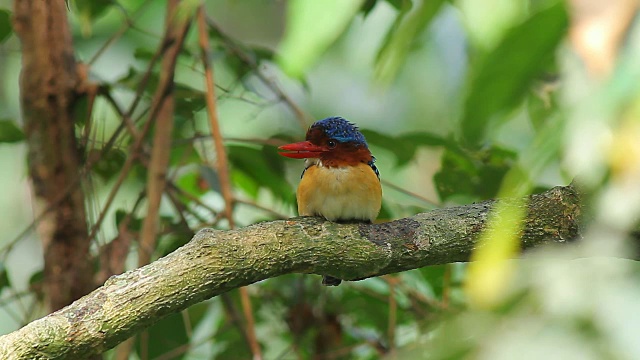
48	84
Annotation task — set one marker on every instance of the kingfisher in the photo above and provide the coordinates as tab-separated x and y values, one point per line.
340	180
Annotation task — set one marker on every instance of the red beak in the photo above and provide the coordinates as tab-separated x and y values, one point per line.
301	150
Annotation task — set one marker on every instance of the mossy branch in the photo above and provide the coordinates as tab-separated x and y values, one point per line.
214	262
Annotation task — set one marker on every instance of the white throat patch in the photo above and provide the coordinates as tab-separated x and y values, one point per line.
311	162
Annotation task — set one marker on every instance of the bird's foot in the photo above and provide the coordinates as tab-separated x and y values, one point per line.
330	281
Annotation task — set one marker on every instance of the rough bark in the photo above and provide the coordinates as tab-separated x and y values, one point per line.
48	82
214	262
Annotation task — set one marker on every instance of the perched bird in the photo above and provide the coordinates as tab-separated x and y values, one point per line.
340	181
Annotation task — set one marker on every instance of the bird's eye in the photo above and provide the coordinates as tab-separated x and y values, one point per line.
331	144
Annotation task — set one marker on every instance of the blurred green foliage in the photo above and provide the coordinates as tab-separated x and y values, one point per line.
413	18
9	132
449	116
311	27
500	80
5	25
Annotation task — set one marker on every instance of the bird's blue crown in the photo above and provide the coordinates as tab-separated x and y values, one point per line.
340	129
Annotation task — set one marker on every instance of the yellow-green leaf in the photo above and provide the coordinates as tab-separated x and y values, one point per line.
312	26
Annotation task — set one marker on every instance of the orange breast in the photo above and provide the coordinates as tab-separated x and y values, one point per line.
340	193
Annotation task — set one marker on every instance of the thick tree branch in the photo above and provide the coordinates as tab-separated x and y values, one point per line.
214	262
49	90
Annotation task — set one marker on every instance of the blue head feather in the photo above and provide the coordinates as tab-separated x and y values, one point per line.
341	130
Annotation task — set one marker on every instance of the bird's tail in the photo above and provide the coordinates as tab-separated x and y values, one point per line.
330	281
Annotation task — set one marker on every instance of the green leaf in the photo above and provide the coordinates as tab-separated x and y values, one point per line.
250	186
455	175
413	18
177	237
110	163
164	336
81	111
197	183
403	152
143	54
134	77
472	175
434	278
9	132
231	344
369	5
119	216
5	25
311	27
210	176
397	4
404	147
385	212
425	139
494	165
4	278
89	11
198	312
135	223
264	166
252	57
363	304
182	152
188	100
259	53
241	66
499	82
36	278
186	9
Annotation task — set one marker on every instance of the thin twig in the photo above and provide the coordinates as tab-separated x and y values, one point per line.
162	92
221	163
128	164
174	187
162	89
138	137
413	293
393	310
302	118
410	193
270	142
113	255
446	285
128	23
273	213
223	169
147	75
183	209
160	151
180	208
231	310
126	118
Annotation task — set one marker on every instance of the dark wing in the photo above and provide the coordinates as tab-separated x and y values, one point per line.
305	169
373	166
